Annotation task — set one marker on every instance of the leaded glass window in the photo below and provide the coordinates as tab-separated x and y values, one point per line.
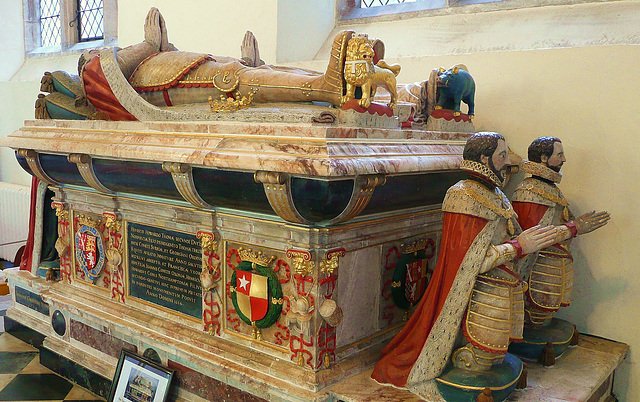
50	22
90	20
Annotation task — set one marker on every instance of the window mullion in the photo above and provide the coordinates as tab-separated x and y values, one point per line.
68	13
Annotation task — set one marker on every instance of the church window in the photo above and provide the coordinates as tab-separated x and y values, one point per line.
63	25
50	22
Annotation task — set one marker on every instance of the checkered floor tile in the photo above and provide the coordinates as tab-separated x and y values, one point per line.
22	378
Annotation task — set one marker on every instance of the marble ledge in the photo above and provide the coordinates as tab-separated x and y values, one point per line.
230	128
297	151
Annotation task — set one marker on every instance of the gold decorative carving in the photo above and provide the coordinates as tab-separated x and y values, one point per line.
112	222
258	257
414	246
359	71
210	275
330	265
61	212
301	261
256	333
89	221
226	104
207	241
63	241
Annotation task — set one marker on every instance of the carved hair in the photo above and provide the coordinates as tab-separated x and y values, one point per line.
483	143
541	146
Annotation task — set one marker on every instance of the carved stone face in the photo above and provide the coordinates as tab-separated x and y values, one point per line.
557	159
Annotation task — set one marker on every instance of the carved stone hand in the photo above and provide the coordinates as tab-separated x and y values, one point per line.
536	238
591	221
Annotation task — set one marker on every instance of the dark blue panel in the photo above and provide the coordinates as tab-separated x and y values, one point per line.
320	200
31	300
23	164
142	178
411	191
61	170
229	189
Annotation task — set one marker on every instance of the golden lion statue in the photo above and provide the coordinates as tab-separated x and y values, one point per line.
359	71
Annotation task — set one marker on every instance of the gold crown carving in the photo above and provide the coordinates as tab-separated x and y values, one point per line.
230	104
85	220
415	246
258	257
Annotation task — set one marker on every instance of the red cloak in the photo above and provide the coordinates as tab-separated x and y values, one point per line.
398	357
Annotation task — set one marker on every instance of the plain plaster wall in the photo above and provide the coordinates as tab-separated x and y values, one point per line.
568	71
215	27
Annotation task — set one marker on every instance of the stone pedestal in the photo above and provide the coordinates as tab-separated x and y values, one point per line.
583	373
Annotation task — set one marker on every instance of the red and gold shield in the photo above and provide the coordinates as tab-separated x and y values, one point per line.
416	280
252	295
87	244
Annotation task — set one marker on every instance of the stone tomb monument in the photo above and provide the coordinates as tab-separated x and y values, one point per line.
266	244
334	229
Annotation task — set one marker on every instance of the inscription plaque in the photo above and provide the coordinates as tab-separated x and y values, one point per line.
31	300
164	268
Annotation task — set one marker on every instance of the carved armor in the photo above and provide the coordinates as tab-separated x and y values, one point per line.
551	279
550	284
495	314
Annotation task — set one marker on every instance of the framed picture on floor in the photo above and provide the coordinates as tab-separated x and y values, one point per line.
139	380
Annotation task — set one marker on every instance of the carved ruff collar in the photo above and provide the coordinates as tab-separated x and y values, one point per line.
540	170
481	170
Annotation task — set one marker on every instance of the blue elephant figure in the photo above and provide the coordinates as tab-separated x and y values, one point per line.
456	85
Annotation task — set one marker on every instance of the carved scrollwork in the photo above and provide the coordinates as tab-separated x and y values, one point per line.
301	261
277	187
84	163
33	161
330	265
210	274
183	180
64	240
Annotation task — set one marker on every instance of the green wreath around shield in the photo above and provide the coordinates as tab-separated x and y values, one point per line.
275	290
400	279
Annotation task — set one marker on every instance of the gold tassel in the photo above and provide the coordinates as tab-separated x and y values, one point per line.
522	380
548	355
485	396
565	214
510	227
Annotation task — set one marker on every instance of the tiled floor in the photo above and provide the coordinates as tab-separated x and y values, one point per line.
22	378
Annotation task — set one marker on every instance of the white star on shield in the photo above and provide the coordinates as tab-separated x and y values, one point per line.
243	282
